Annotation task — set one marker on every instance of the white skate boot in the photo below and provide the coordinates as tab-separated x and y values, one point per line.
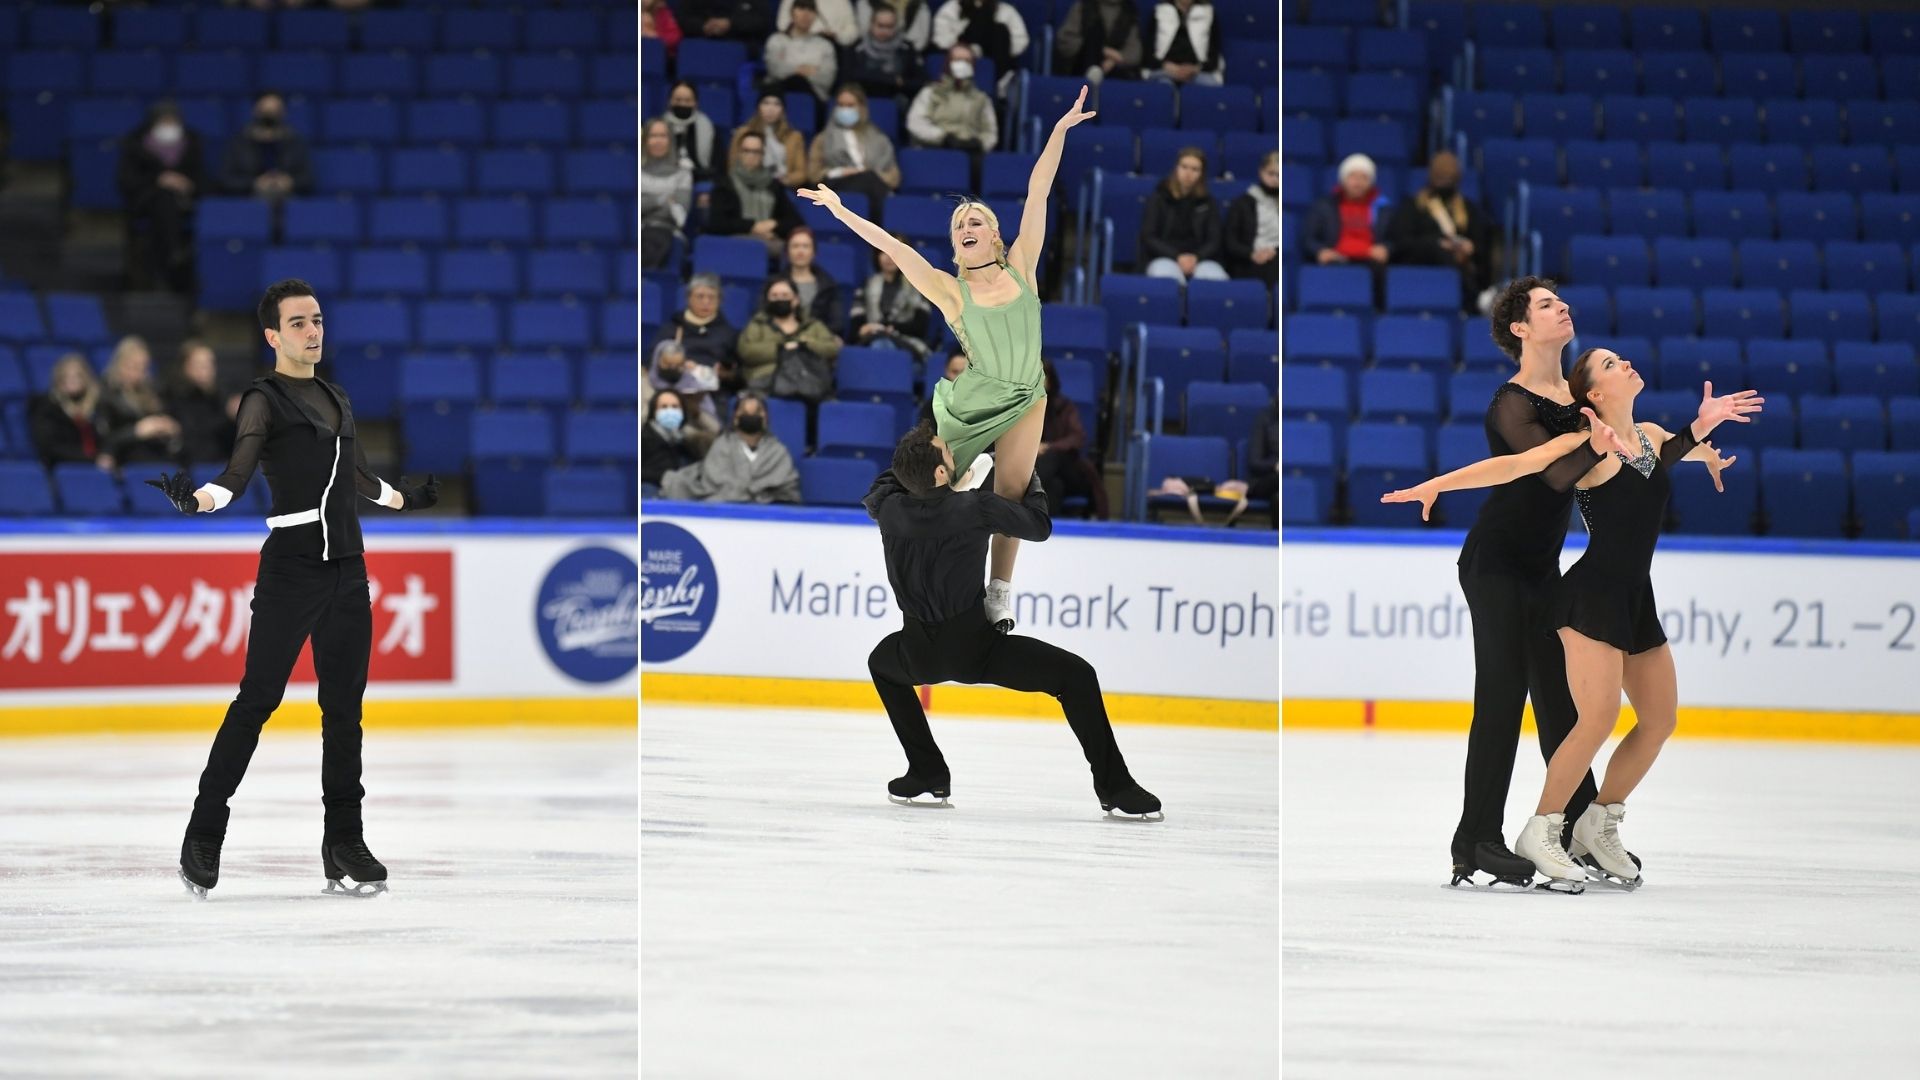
976	473
1000	605
1539	841
1597	846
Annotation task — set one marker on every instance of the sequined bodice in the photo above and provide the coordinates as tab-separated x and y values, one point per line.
1623	515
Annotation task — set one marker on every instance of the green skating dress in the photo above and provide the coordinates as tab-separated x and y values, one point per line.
1003	377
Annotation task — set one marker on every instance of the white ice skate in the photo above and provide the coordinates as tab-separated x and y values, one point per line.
976	473
1000	605
1597	847
1539	842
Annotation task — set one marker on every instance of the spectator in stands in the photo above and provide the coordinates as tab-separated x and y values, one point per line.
161	174
785	149
912	19
696	384
747	464
1180	231
268	159
666	194
1263	455
799	60
889	313
1439	227
692	130
657	21
1345	226
1186	43
705	332
819	293
956	363
1062	466
833	19
885	63
747	201
994	29
663	440
205	415
738	20
1251	236
853	153
138	428
1100	39
778	331
953	113
65	423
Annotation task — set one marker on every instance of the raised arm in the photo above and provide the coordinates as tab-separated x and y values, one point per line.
1025	252
936	285
1506	468
1517	422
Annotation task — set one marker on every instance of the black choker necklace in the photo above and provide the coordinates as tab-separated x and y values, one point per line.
982	266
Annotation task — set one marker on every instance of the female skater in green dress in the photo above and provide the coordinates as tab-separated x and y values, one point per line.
991	305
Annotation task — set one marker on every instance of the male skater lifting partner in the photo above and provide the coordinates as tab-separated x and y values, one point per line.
312	582
936	542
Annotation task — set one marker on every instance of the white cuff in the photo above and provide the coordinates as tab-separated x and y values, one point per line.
381	498
220	496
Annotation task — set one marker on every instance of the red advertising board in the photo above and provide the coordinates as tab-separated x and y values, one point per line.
181	618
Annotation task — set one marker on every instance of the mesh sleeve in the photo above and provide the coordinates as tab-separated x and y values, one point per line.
1517	423
250	436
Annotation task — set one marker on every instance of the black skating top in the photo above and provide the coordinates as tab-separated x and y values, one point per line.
1608	594
936	545
1523	523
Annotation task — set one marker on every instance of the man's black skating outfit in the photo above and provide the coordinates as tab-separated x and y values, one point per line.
312	583
936	546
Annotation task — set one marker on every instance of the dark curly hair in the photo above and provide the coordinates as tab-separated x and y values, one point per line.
916	458
1511	307
269	311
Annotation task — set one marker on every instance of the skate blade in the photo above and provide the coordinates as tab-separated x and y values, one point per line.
1506	885
360	890
924	804
1114	813
1599	876
195	891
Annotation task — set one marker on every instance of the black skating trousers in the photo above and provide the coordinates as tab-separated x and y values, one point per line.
296	597
967	649
1515	655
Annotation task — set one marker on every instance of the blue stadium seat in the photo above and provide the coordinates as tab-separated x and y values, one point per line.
1131	298
149	28
1185	456
1609	260
1376	95
1732	215
441	121
83	489
455	324
1801	123
877	377
1681	74
1318	395
619	323
1771	169
373	322
312	29
559	272
1227	305
77	318
1856	169
1903	423
24	490
1867	267
437	395
1241	153
1382	457
232	218
1074	332
1409	342
1338	289
1430	289
1457	446
1745	30
1309	93
1721	120
1136	105
609	379
1804	492
613	76
1742	313
929	172
511	451
1849	422
1308	456
829	481
1826	31
1779	264
348	171
1894	218
1469	394
316	264
1778	366
1591	307
1647	214
593	435
415	31
407	221
1387	142
523	379
1883	492
587	492
1227	410
1699	510
387	74
382	272
416	171
229	28
1485	114
547	324
1247	62
1883	123
1819	216
1333	340
1882	370
456	74
1671	409
1839	78
1559	116
1588	26
579	31
1179	355
1758	75
1517	70
576	220
360	121
1688	362
500	31
1401	397
614	122
1604	164
1215	108
127	73
1559	214
857	430
522	172
476	272
741	259
197	73
1654	312
1639	119
1831	316
1697	264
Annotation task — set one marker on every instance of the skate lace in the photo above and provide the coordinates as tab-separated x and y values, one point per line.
353	851
205	853
1557	851
1610	837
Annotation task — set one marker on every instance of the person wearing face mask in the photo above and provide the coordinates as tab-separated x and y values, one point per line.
161	174
783	149
691	129
694	384
748	464
885	63
833	19
781	326
1251	236
1440	227
664	446
268	159
65	422
1101	39
995	30
800	58
666	193
746	203
953	113
853	153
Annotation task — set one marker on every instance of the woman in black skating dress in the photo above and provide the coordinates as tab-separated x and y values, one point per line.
1603	608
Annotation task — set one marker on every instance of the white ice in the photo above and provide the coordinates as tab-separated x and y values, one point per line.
797	924
505	949
1777	934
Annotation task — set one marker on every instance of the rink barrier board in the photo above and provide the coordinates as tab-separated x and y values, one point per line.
395	715
1394	717
840	694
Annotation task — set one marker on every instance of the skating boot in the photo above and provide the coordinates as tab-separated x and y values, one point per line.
1575	850
1000	605
200	864
976	473
907	791
1597	847
1129	802
1539	842
347	857
1490	857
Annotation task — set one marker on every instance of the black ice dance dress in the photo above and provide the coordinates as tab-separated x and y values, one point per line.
1608	594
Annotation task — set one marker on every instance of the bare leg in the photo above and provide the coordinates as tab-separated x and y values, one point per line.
1594	674
1654	690
1013	458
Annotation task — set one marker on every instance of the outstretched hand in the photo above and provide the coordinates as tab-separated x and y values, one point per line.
1604	439
1424	494
419	496
1075	115
178	488
820	196
1735	407
1717	464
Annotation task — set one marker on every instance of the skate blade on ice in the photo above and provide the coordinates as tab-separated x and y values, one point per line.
1503	885
195	891
359	890
923	803
1600	876
1114	813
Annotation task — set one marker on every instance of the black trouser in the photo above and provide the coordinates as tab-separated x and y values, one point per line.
967	649
297	596
1515	654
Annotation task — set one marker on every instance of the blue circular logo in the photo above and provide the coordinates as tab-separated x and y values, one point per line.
587	613
678	594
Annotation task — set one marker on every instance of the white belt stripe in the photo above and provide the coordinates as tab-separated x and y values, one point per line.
304	517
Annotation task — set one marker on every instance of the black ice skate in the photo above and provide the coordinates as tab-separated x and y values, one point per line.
347	857
1129	802
907	791
1510	872
200	864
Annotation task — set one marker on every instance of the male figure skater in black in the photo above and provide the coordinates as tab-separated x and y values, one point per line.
936	546
312	583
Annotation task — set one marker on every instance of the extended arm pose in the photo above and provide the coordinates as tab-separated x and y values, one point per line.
1603	609
992	307
312	584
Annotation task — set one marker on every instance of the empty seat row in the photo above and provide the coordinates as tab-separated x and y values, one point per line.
1497	114
418	28
1698	74
1655	29
1711	263
421	220
1653	213
453	121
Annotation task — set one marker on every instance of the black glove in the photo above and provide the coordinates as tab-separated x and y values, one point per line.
419	496
178	488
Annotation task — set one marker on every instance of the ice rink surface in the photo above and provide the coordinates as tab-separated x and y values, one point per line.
506	948
797	924
1778	933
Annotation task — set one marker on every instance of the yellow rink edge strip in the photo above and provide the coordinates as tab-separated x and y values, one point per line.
1300	714
439	713
951	699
